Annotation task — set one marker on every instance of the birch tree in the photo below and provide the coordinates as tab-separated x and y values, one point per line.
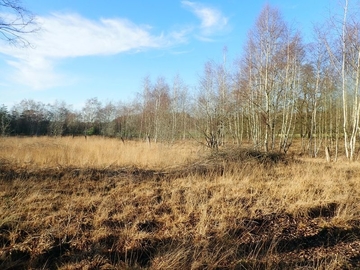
313	91
271	60
178	108
222	84
91	116
343	46
147	110
207	111
58	115
5	121
289	90
248	100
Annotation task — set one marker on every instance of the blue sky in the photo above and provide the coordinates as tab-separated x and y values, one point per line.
104	49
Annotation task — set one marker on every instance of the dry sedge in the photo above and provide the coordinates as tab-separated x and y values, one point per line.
101	204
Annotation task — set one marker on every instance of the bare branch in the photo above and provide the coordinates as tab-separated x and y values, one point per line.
16	22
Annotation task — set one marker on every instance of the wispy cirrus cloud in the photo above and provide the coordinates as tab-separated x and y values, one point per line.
212	20
71	35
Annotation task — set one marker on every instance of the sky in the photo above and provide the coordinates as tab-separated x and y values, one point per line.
105	49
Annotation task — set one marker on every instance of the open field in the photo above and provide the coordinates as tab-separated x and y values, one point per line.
71	203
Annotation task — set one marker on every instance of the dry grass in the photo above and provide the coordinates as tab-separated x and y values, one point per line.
235	210
94	152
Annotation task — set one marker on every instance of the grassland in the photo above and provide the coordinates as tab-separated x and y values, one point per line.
71	203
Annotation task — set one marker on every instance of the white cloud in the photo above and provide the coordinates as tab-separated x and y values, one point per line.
212	19
71	35
38	73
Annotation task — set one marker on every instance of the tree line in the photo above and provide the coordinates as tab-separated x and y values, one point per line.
279	89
